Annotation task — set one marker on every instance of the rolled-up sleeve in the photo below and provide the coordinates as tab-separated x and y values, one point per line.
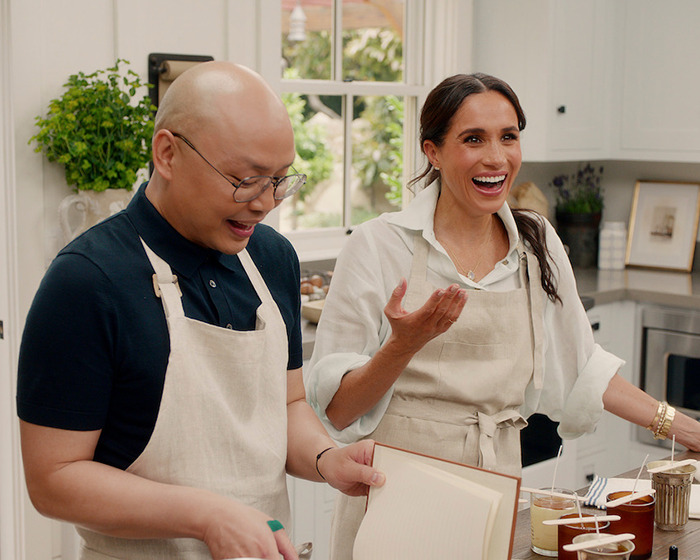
576	369
352	327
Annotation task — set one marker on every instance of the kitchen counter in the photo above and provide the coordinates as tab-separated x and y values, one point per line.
687	540
675	289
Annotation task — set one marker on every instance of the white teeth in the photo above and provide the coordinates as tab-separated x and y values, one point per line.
496	179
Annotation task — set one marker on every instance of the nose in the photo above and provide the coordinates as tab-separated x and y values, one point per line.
495	154
265	202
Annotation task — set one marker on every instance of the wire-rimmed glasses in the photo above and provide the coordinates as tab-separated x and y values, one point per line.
251	188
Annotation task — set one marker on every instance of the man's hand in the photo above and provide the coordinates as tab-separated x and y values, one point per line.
237	530
348	468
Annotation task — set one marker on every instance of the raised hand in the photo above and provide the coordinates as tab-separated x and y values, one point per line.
411	331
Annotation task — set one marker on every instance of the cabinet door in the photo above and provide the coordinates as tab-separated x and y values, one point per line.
555	55
661	78
577	114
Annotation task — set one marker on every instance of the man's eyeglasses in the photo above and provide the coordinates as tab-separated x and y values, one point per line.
251	188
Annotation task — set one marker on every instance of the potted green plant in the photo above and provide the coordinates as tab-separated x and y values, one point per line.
579	207
100	130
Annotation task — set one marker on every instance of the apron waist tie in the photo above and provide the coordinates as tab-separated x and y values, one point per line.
488	424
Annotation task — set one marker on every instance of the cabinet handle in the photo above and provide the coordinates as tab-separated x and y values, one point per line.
595	326
561	109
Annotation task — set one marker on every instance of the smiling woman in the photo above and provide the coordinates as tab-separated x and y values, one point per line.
442	318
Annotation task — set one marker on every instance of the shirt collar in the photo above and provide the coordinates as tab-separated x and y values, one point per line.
420	212
181	254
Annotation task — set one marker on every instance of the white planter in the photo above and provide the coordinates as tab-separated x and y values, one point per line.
79	212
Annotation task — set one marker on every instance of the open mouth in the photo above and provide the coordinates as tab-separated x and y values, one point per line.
489	183
241	229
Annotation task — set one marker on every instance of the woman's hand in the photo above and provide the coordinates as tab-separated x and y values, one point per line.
361	388
411	331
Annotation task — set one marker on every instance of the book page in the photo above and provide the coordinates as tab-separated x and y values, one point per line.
431	508
420	503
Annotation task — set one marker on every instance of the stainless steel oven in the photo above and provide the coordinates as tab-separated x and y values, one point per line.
670	366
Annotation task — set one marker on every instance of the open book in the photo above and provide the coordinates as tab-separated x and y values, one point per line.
431	508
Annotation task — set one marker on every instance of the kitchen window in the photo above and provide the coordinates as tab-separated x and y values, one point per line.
351	77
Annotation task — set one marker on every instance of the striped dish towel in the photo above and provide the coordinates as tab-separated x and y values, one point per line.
601	487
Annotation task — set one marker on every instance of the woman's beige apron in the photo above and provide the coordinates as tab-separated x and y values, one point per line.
459	396
222	422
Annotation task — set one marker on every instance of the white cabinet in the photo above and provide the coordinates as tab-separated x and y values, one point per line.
555	55
660	115
312	511
607	451
597	79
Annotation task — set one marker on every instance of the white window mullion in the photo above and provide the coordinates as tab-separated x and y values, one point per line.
337	50
348	102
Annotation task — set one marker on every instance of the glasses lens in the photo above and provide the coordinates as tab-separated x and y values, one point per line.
250	188
289	185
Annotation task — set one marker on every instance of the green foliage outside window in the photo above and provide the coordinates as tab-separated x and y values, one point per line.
370	55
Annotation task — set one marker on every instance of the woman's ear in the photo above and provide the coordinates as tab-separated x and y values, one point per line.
163	150
430	151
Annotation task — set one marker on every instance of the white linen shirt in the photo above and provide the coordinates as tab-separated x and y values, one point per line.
378	255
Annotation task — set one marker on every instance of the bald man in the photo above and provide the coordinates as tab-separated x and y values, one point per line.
160	393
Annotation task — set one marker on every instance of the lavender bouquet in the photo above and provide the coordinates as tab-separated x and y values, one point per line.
579	192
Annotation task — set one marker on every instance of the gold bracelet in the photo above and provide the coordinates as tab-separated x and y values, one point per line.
662	419
668	420
659	419
659	409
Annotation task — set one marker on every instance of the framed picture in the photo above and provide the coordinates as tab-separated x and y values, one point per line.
663	225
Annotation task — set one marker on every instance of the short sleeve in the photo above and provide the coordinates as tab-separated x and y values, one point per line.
66	355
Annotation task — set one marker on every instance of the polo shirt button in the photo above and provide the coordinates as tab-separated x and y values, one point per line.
229	326
212	283
505	262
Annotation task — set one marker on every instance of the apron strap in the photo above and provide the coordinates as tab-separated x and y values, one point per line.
418	276
165	284
255	277
536	300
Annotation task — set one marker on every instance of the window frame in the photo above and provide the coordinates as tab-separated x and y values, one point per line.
435	46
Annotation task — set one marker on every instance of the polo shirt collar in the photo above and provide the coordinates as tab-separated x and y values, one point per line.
181	254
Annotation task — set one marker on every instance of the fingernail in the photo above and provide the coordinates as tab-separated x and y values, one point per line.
377	478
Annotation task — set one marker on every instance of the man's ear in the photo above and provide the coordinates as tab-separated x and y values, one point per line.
163	150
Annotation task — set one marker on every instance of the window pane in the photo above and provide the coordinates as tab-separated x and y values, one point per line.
373	40
306	39
377	156
318	136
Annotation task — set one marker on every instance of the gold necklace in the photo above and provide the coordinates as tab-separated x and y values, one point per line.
471	271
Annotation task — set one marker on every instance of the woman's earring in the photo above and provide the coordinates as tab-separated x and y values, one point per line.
436	168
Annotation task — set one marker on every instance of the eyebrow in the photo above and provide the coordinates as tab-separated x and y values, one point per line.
482	131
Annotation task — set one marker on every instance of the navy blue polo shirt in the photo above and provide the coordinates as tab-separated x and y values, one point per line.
95	346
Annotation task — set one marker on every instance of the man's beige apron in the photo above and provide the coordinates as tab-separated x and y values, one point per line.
459	396
222	422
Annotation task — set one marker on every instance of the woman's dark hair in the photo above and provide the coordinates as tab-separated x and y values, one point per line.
439	108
